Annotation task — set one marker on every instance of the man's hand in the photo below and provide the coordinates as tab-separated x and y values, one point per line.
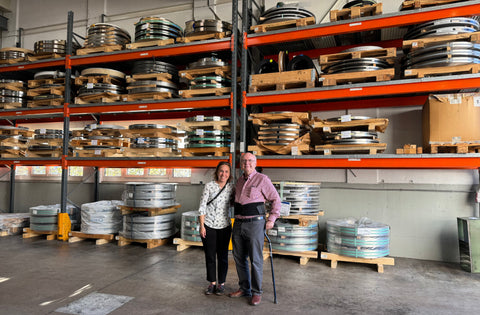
269	225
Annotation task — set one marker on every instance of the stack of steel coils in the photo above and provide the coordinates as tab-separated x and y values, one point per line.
151	28
45	218
190	229
51	85
149	85
149	195
304	198
46	140
103	34
293	237
12	53
12	91
443	54
209	81
115	87
358	238
357	64
202	27
207	62
208	137
101	217
351	135
150	141
283	12
279	134
54	46
142	226
103	134
12	140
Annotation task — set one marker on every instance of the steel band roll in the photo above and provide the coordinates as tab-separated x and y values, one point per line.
103	71
147	126
50	46
90	127
12	93
99	88
156	28
101	217
364	242
155	66
106	34
357	65
447	26
284	228
47	137
304	197
145	227
13	128
148	195
300	62
284	12
294	248
48	131
205	118
12	54
294	240
138	186
208	26
43	227
49	75
207	62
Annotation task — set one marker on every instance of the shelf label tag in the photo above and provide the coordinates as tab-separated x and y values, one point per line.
43	131
326	151
345	118
356	89
94	142
16	162
476	101
98	152
232	147
141	163
414	44
200	118
355	24
144	54
217	132
216	118
21	67
346	134
89	85
354	160
272	232
295	150
199	132
142	106
18	113
408	72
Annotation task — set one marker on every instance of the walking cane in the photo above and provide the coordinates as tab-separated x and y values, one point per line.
271	263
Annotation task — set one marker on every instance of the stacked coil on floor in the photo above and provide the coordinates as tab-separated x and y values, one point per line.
208	26
190	229
207	137
304	197
293	237
444	54
156	28
149	195
101	217
12	93
142	226
45	140
362	238
149	142
104	34
53	46
284	12
13	141
45	218
208	81
357	64
153	84
106	81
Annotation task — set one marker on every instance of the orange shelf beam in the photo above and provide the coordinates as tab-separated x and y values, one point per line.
30	162
374	163
60	62
360	25
27	112
179	163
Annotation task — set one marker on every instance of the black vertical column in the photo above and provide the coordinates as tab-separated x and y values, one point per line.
66	113
97	183
244	75
11	208
234	99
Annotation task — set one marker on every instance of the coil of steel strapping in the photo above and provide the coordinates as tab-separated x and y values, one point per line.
213	81
151	27
148	227
11	94
46	135
101	217
279	133
208	139
154	142
146	86
155	66
447	26
56	46
91	127
358	238
201	27
149	195
12	53
283	12
44	218
99	88
190	229
200	118
101	34
207	62
147	126
351	137
293	237
304	197
357	65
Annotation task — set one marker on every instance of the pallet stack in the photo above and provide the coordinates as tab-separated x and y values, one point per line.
99	85
13	141
13	223
152	140
281	133
12	94
45	143
99	141
47	89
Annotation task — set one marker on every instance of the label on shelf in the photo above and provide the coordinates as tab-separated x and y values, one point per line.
199	132
90	85
217	132
94	142
326	151
294	150
232	147
408	72
323	256
242	147
355	24
346	134
414	44
98	152
345	118
454	100
354	160
43	131
355	89
200	118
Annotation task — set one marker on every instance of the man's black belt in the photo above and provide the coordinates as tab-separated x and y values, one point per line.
254	208
250	219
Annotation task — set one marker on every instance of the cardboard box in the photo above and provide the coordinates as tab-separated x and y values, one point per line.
451	118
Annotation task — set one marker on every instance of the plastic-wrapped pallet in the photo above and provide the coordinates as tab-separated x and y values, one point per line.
45	218
362	238
293	237
142	227
101	217
13	223
190	230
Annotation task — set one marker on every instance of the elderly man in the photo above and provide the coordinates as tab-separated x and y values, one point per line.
251	192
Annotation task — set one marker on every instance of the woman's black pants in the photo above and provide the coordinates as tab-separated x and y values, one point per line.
215	245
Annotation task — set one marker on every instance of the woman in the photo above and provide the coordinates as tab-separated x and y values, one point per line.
215	226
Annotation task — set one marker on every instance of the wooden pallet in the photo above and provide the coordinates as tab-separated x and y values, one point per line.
14	86
51	235
302	219
380	262
150	43
10	105
417	4
262	28
301	118
291	150
100	239
304	256
38	57
372	124
387	54
280	81
356	12
439	71
14	132
111	142
190	74
357	77
409	149
97	132
150	152
94	79
12	153
195	38
58	90
49	102
204	92
149	76
146	96
150	211
151	243
98	153
32	84
44	153
149	132
105	97
413	44
459	148
101	49
45	141
372	148
194	125
12	61
183	244
223	151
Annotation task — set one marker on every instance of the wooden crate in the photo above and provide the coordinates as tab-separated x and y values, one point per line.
150	211
150	43
151	243
262	28
372	148
387	54
100	239
183	244
356	12
414	44
372	124
204	92
301	118
280	81
417	4
223	151
304	256
380	262
438	71
357	77
101	49
51	235
196	38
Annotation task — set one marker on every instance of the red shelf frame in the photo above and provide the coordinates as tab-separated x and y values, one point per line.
178	163
60	62
30	162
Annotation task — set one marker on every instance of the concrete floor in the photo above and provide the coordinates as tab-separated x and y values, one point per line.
44	276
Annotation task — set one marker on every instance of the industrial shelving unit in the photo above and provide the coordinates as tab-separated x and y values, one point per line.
405	92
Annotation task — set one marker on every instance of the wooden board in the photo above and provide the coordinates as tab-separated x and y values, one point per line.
94	79
303	220
150	43
12	61
146	96
51	235
98	153
380	262
355	12
439	71
32	84
262	28
58	90
105	97
191	74
98	132
372	148
356	77
10	105
44	153
459	148
101	49
409	149
283	80
417	4
151	243
100	239
49	102
204	92
150	152
25	133
413	44
150	211
223	151
195	38
15	86
149	132
38	57
183	244
304	256
149	76
111	142
301	118
387	54
372	124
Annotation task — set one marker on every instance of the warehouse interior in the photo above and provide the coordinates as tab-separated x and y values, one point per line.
419	202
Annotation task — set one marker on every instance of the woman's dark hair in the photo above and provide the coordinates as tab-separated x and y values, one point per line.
215	176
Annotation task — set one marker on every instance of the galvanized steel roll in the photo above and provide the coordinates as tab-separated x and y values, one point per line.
56	46
304	197
101	217
190	229
101	34
447	26
149	195
206	26
284	12
154	28
293	237
148	227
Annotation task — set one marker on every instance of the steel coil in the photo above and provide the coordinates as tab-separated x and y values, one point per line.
101	34
208	26
148	227
152	27
447	26
284	12
101	217
304	197
149	195
207	62
50	46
